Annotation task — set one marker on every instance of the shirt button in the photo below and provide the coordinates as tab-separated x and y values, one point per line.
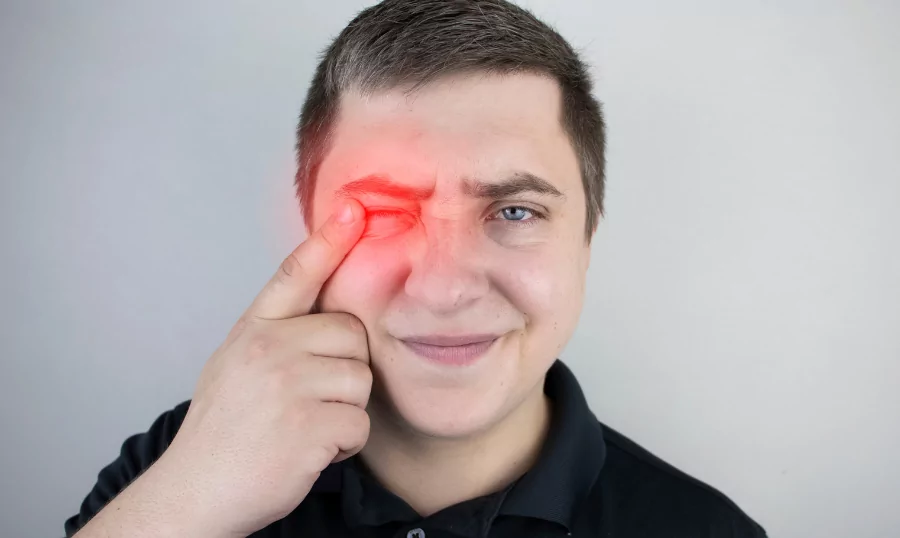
415	533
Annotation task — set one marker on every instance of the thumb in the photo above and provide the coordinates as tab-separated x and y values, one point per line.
293	289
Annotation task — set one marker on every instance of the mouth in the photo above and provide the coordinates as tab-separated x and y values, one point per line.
451	350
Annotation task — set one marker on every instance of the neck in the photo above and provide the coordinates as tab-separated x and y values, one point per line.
431	473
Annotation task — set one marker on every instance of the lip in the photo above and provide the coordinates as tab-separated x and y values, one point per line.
451	350
451	340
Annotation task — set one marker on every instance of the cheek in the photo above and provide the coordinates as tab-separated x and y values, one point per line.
548	289
544	276
363	284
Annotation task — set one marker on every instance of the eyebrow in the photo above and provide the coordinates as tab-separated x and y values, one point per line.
517	183
381	185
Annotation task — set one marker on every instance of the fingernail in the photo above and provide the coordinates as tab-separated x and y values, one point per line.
345	214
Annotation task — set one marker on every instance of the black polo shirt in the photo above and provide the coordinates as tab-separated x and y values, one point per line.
588	481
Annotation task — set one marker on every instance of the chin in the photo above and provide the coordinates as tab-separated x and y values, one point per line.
440	400
449	416
455	411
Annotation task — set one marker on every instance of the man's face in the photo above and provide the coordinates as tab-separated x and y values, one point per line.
475	229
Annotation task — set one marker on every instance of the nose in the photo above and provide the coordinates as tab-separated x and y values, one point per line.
447	274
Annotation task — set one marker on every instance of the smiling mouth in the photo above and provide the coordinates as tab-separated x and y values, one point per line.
451	350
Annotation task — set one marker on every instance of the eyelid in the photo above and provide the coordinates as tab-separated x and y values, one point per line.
390	211
538	211
534	206
387	222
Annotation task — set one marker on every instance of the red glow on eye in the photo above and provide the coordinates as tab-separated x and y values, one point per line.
385	222
382	186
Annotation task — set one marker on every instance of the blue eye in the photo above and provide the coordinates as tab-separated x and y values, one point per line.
516	213
517	217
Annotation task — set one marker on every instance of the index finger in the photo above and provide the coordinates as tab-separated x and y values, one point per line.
293	289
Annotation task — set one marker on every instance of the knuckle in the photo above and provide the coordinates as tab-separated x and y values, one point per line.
320	455
326	239
343	373
261	345
290	267
356	375
360	423
352	323
365	376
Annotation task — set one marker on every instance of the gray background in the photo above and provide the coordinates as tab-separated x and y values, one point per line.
744	296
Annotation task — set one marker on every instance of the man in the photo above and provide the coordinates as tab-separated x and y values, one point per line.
398	376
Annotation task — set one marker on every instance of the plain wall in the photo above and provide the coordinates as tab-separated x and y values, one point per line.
743	305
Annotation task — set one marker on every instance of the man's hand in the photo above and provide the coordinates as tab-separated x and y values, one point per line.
281	399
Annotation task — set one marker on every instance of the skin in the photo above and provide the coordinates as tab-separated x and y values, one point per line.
449	261
316	371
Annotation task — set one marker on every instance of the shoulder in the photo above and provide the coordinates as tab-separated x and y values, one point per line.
136	454
648	492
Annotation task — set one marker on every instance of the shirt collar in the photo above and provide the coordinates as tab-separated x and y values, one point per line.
567	467
570	460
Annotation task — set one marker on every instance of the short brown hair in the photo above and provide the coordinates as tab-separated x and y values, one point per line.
413	42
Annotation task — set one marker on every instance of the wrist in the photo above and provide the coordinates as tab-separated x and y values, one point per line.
177	497
162	502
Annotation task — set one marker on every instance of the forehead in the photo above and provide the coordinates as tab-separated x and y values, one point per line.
472	125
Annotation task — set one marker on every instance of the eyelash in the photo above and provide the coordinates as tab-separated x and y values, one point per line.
535	216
